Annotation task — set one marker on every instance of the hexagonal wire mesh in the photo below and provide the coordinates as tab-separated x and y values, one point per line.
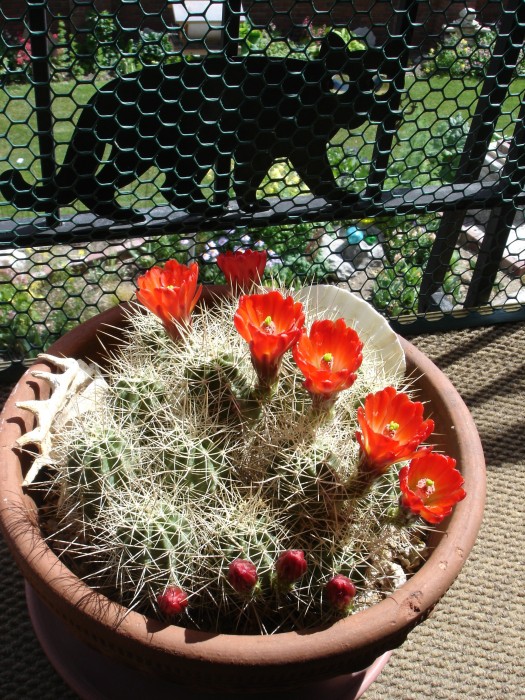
375	145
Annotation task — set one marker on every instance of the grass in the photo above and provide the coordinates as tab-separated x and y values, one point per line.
43	294
428	103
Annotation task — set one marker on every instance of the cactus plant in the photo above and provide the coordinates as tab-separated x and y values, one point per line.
189	475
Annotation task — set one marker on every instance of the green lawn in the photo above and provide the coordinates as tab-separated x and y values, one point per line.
428	104
48	295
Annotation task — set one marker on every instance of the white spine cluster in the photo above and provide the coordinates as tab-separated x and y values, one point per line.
179	470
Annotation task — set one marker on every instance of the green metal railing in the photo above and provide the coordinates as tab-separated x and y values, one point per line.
375	146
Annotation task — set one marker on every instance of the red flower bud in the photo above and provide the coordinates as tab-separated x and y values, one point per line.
340	592
290	566
242	269
173	601
242	575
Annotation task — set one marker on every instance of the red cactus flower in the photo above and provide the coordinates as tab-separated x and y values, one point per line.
242	269
392	428
242	575
173	601
430	486
329	357
170	293
271	325
290	566
340	592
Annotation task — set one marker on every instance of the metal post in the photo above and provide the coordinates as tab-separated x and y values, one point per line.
501	219
495	90
37	23
231	16
405	19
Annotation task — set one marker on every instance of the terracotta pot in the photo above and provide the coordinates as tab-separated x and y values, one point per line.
229	663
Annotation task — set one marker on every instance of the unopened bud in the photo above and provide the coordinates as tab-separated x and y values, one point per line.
290	566
173	601
242	575
340	592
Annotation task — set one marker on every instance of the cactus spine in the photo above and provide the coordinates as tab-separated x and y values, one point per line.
182	468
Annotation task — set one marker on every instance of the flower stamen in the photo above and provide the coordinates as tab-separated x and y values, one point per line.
426	486
328	359
268	326
391	429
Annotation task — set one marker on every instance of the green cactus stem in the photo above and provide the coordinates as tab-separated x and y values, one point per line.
182	468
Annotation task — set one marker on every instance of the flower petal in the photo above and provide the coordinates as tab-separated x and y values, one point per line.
242	269
392	428
271	324
431	486
171	293
329	357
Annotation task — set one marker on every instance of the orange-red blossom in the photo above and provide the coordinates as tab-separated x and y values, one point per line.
392	428
329	357
243	268
431	486
271	325
170	293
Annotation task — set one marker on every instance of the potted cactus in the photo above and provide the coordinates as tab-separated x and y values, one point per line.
237	488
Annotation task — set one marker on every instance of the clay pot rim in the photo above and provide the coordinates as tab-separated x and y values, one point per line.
402	609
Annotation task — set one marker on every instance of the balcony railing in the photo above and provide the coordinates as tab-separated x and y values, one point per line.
364	144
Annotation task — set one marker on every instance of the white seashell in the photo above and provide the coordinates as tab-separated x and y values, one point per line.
72	393
327	301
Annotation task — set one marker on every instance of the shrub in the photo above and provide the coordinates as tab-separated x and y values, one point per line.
15	57
460	57
61	58
154	48
269	41
37	308
446	146
407	244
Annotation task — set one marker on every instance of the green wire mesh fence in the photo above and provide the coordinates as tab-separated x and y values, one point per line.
379	146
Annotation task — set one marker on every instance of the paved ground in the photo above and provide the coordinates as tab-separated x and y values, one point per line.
516	242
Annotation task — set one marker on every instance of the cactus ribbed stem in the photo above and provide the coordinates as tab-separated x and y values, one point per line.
183	468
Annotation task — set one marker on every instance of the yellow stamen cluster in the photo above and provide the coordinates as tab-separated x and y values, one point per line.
426	485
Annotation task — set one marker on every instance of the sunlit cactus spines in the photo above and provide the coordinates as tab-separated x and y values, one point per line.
187	477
